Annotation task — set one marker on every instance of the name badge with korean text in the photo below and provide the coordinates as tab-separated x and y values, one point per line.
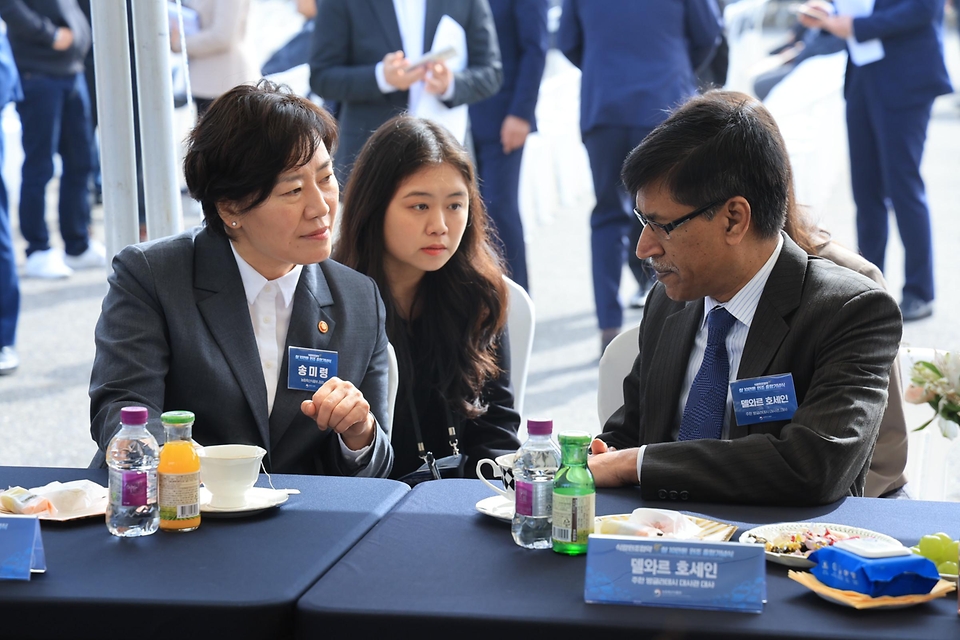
688	574
764	399
21	548
308	369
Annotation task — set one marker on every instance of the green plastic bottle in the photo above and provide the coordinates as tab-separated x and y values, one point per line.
574	496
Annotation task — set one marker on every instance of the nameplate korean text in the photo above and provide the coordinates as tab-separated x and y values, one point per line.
688	574
764	399
21	548
308	369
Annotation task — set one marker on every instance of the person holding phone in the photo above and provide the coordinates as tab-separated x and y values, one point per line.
362	53
889	99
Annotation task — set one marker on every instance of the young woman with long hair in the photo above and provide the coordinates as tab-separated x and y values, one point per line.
413	220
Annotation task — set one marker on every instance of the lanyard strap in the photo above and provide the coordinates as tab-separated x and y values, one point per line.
422	453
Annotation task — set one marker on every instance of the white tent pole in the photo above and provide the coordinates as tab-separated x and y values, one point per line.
161	187
115	113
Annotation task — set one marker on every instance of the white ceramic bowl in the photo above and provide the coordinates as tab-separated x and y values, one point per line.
228	471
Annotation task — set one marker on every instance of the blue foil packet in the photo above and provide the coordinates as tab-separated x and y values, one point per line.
896	576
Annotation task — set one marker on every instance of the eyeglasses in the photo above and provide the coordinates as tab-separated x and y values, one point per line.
663	230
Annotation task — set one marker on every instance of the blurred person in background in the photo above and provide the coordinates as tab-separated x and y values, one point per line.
630	81
890	91
413	220
502	123
216	53
9	284
361	57
50	40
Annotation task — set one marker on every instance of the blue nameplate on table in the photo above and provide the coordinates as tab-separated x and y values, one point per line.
21	548
308	369
764	399
688	574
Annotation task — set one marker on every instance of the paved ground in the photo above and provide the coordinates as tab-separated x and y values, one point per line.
44	408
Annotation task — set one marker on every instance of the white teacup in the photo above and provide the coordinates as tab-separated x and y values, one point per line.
228	471
503	469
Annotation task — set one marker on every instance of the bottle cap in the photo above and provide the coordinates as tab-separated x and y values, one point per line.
580	438
539	427
134	415
177	418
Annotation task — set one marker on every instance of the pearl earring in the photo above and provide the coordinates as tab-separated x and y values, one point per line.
233	224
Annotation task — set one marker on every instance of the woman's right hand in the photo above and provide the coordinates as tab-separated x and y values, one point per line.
340	406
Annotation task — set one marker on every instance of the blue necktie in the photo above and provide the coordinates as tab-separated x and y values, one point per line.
707	402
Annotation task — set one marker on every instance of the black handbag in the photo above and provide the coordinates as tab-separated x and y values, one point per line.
433	468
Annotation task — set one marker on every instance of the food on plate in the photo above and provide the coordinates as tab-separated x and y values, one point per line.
651	523
940	548
803	543
19	500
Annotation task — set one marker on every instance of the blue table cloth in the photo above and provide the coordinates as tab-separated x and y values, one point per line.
231	578
434	567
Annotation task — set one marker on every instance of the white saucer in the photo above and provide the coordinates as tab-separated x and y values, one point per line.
497	507
258	500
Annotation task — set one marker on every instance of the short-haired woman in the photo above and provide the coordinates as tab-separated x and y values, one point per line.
204	320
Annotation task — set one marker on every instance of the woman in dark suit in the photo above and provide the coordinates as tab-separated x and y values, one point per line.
205	320
413	221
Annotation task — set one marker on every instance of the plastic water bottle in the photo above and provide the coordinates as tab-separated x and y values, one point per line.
133	458
536	464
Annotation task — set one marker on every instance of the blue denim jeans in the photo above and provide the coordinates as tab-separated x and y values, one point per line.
9	285
55	117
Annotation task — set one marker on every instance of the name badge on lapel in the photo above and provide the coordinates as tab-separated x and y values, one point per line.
308	369
764	399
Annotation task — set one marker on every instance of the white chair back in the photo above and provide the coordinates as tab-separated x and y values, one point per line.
521	320
928	452
393	381
615	364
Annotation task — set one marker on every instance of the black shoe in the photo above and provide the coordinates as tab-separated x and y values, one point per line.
913	308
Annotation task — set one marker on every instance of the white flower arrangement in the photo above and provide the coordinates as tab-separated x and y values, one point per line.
937	383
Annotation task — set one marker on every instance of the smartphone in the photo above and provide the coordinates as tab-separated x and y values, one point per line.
434	56
810	12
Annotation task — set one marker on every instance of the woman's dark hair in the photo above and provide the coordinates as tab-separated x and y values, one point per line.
811	237
245	140
714	147
462	306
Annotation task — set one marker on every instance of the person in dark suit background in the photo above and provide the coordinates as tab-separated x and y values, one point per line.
361	53
204	320
638	60
737	299
501	124
9	283
888	109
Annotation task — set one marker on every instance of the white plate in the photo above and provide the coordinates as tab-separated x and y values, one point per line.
770	531
497	507
259	499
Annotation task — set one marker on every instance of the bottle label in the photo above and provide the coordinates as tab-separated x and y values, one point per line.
573	517
534	499
179	496
133	488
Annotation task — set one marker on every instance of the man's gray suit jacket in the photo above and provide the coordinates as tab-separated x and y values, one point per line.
175	333
834	330
352	36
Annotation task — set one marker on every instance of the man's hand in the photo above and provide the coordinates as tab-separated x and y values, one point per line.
340	406
812	14
397	71
513	133
174	38
62	39
840	26
438	78
613	468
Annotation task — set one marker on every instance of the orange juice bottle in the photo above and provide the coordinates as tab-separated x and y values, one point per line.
179	473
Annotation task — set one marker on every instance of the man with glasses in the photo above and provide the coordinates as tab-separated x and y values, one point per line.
739	308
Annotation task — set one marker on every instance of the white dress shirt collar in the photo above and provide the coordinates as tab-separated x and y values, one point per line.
253	282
